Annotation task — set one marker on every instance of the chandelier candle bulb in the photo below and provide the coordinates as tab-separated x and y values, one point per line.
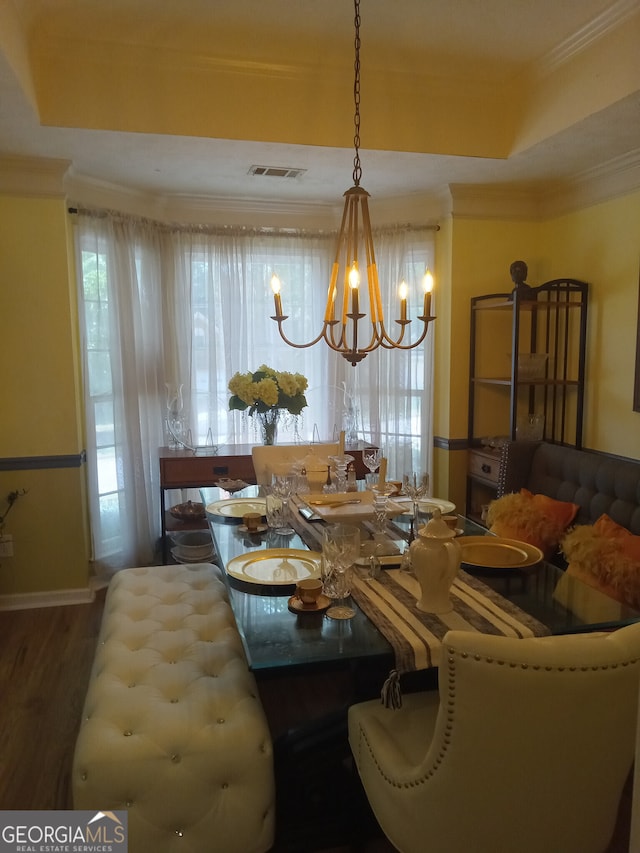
428	287
275	286
354	282
355	302
402	292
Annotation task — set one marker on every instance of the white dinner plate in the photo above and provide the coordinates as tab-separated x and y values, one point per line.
428	505
348	506
493	552
237	507
275	566
179	556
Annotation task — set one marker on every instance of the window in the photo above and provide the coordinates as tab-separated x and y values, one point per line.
168	307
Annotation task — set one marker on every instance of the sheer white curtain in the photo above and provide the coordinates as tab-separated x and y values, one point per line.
168	307
121	322
221	312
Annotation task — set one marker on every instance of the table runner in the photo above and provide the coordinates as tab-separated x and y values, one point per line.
416	637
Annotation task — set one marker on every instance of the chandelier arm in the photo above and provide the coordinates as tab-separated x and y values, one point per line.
397	344
301	346
341	342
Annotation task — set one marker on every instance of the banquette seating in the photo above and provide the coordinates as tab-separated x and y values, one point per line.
173	729
597	482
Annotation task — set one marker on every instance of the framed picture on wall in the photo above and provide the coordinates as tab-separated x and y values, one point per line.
636	385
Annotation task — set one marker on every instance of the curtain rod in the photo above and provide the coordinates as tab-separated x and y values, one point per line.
234	229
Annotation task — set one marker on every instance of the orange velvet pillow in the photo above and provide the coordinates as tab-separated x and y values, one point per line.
536	519
606	556
612	530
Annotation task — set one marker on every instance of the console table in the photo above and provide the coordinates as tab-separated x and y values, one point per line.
184	469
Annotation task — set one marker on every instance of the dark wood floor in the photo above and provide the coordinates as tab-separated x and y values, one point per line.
45	661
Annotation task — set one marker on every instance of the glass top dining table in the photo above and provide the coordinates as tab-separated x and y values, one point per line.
275	638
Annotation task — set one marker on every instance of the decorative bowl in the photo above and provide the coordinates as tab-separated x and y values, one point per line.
192	544
189	511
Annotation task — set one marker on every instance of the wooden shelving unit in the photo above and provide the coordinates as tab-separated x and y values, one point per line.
533	386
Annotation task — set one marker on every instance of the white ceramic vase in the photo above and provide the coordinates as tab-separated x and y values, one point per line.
435	560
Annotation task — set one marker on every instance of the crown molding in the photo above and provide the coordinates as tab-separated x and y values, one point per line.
616	178
487	201
33	176
40	177
607	21
200	209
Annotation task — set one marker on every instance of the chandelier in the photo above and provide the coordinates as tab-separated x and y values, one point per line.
355	257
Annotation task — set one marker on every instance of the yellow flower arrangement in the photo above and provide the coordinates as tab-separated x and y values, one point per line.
268	390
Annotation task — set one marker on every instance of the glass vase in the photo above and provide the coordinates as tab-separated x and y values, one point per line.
269	426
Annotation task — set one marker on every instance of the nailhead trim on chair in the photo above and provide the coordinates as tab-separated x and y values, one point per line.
450	704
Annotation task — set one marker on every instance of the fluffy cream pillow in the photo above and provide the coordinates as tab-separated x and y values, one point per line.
536	519
607	557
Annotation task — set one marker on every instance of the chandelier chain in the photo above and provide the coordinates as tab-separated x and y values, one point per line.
357	168
354	286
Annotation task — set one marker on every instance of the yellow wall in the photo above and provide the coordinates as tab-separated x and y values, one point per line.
601	245
474	256
41	408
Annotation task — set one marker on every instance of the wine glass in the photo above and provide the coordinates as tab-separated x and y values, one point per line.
340	549
371	457
381	493
283	486
415	485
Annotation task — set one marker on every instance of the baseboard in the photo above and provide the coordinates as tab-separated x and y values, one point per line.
50	598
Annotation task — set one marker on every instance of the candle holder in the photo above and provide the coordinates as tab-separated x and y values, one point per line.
341	463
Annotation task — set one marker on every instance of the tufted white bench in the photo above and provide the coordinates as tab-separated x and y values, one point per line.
173	730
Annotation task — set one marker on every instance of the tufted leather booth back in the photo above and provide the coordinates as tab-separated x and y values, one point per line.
598	483
172	729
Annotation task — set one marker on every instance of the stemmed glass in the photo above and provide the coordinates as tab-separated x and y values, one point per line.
381	493
371	456
283	486
340	549
415	485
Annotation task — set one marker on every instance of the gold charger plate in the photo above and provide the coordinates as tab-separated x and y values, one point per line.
237	507
493	552
275	566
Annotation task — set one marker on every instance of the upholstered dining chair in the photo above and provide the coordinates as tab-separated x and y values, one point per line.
268	458
525	747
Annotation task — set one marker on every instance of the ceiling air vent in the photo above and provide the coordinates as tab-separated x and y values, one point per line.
276	171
